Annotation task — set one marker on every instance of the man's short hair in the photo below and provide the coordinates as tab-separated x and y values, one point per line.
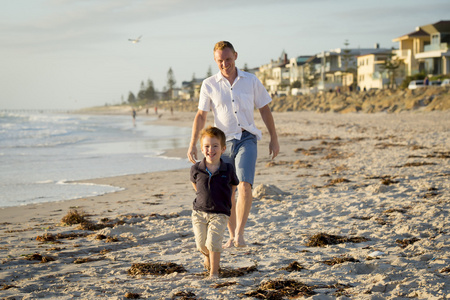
222	45
213	132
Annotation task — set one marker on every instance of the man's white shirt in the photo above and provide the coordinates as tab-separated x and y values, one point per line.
233	105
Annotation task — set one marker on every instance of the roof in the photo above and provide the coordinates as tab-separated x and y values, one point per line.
426	30
441	26
418	33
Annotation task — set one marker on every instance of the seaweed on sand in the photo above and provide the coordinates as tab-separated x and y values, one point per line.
7	287
229	272
224	284
184	296
339	260
324	239
155	269
130	295
48	237
405	242
293	266
83	260
74	217
277	289
445	270
37	256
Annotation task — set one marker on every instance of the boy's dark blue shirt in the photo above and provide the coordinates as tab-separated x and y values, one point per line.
213	191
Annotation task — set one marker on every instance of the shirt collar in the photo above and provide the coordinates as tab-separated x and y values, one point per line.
220	77
202	165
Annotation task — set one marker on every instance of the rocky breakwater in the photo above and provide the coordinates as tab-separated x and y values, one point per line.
428	99
392	101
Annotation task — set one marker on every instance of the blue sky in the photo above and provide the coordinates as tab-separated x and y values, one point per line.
68	54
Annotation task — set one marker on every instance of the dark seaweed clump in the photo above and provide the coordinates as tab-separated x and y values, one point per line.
293	266
324	239
405	242
277	289
229	272
184	296
339	260
155	269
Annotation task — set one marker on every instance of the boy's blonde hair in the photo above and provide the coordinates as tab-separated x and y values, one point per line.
222	45
213	132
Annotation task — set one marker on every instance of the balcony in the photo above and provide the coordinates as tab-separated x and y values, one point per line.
436	47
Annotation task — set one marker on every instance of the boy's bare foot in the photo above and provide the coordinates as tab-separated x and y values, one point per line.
213	276
239	242
228	244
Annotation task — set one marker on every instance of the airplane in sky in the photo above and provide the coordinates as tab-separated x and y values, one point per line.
134	41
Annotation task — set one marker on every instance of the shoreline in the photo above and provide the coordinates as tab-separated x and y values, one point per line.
380	176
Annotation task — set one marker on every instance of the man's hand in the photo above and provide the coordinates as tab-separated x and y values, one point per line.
274	148
192	154
199	123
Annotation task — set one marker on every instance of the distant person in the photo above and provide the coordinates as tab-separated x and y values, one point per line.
156	110
146	110
426	81
171	110
215	182
133	114
232	95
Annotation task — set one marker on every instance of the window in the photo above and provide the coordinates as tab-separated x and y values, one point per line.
435	39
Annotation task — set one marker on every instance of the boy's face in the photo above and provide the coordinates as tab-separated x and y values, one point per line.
212	149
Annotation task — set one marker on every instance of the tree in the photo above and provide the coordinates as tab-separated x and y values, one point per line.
296	84
347	64
391	65
131	98
170	82
209	72
150	92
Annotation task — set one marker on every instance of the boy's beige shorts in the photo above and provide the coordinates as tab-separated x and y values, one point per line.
209	229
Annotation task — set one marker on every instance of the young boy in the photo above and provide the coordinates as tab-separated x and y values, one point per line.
214	181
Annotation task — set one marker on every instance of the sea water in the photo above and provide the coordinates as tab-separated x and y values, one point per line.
41	154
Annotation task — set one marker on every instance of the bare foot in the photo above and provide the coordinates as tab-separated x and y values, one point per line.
239	241
228	244
213	276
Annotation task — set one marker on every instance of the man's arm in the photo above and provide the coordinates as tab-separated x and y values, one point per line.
197	126
266	115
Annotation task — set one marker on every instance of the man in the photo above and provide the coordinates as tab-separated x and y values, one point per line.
232	95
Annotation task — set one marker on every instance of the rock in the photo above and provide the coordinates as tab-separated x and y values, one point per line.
264	190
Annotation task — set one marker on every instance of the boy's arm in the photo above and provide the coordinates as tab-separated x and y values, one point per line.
194	185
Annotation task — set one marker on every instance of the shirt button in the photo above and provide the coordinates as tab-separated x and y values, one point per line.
235	112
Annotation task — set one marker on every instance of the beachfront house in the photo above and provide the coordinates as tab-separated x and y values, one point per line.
426	49
190	89
298	76
379	69
275	75
338	67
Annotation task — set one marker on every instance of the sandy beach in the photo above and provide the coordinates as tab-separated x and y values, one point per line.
356	206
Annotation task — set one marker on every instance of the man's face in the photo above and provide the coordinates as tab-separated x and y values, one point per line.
225	60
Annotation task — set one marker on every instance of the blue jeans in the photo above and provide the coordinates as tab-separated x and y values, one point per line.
242	154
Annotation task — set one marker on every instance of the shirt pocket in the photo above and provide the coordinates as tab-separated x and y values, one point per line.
244	102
